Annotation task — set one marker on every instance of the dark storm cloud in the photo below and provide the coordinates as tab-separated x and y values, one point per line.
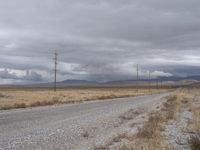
100	39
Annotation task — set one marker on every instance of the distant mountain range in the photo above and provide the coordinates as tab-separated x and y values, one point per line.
176	78
73	82
77	82
69	82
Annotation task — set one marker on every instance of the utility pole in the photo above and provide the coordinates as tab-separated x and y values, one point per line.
55	69
157	86
149	82
137	78
137	72
161	84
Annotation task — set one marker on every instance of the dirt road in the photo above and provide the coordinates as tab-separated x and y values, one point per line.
73	126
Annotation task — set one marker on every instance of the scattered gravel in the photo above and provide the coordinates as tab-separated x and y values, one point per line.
74	126
176	131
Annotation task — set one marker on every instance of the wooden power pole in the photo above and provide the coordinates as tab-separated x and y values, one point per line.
157	86
137	79
137	72
149	81
55	69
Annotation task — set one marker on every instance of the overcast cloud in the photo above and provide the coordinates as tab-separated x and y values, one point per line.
98	39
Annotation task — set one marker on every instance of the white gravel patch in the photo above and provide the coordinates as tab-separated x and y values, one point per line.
176	131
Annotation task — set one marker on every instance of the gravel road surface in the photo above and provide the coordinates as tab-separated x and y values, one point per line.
66	127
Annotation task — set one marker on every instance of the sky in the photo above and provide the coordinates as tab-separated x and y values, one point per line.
98	40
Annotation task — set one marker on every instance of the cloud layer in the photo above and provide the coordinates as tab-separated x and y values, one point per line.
99	40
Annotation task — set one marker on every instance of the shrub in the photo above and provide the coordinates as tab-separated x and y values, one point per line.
150	127
194	142
20	105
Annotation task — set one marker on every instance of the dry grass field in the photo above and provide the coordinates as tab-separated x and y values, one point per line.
31	97
176	125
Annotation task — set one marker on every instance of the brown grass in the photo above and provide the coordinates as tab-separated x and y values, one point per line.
31	97
196	118
189	98
149	136
85	134
131	114
125	147
169	107
149	130
194	142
